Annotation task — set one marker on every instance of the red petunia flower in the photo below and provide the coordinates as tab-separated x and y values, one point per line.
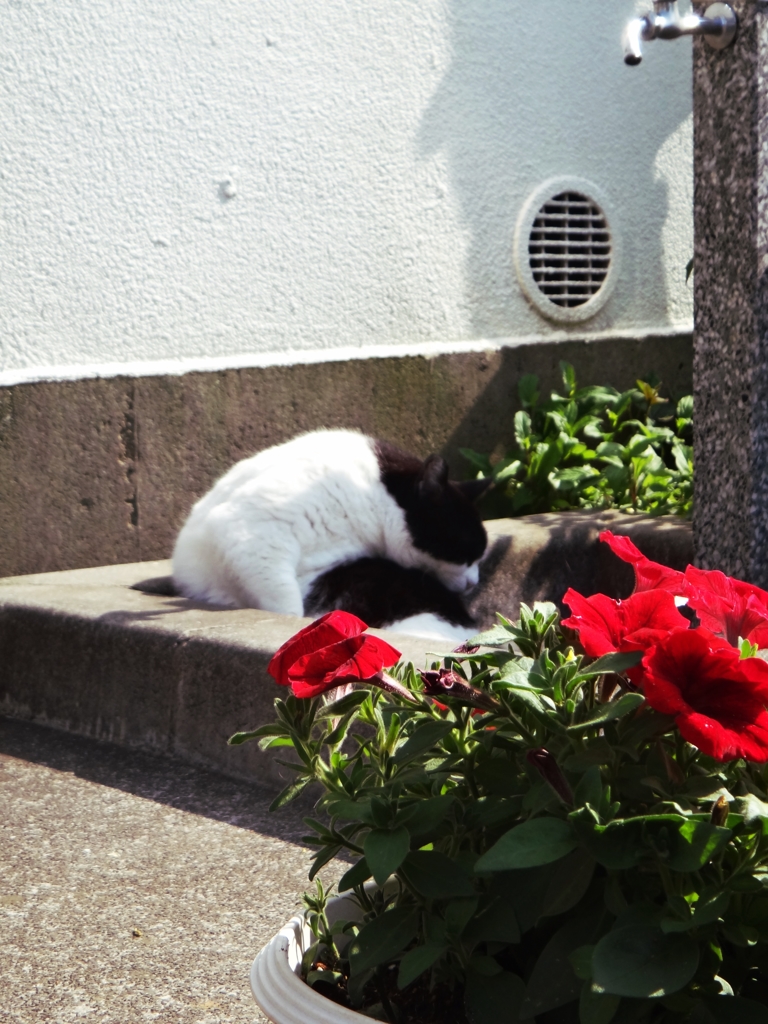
648	575
718	700
352	660
329	629
605	625
332	651
728	607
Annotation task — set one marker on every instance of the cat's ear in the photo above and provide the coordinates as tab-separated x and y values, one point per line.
434	475
475	489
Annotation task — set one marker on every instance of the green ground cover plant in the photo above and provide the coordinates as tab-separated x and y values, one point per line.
593	447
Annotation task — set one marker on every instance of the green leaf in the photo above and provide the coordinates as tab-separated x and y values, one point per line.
339	731
534	703
695	844
598	752
516	673
522	426
614	662
490	811
381	939
706	911
435	875
552	982
424	816
641	962
425	736
355	876
494	922
596	1008
490	1000
478	461
589	789
637	446
525	891
542	465
326	977
416	961
457	915
750	808
581	962
569	376
496	777
352	810
385	851
487	966
569	884
616	845
537	841
289	793
612	710
322	859
527	389
496	636
273	729
623	844
340	707
610	449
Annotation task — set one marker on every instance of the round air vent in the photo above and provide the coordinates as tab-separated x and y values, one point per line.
566	250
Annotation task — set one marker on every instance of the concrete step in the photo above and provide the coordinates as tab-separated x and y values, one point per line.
86	651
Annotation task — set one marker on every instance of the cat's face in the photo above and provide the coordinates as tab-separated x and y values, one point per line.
442	520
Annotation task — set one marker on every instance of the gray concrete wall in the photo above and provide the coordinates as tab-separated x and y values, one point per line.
103	471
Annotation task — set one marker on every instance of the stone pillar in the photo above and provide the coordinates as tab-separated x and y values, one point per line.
730	368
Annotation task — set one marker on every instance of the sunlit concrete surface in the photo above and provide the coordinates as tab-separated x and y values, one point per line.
133	887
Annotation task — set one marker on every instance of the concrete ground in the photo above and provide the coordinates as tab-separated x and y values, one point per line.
134	887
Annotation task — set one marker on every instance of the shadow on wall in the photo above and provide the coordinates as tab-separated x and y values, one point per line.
514	110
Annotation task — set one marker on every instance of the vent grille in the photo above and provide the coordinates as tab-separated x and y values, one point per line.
569	249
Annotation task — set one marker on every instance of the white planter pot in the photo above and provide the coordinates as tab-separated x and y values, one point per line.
276	983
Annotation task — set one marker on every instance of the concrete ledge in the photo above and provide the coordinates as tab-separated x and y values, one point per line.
537	558
81	650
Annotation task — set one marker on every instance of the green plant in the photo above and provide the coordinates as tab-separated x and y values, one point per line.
593	447
561	823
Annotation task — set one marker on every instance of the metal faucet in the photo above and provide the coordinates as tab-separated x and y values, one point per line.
718	25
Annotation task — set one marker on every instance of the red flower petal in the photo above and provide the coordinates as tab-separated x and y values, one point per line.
351	660
648	575
605	625
724	605
718	700
327	630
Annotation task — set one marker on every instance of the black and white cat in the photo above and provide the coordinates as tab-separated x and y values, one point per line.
274	530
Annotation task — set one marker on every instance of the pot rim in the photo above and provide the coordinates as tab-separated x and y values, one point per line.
277	985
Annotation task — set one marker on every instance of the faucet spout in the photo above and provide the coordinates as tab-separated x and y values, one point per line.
634	34
718	25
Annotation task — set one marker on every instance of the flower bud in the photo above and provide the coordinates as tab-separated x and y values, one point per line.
447	683
549	769
719	815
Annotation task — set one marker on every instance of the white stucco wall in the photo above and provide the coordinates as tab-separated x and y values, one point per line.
235	182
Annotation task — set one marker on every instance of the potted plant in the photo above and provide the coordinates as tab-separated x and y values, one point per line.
560	823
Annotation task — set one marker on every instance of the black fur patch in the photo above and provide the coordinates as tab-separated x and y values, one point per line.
441	519
381	592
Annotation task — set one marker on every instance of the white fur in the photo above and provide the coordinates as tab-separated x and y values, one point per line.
277	521
432	627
